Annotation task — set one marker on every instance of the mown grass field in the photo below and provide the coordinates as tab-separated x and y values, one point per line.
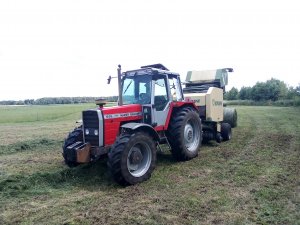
252	179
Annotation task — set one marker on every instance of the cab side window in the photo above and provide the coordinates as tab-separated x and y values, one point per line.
160	94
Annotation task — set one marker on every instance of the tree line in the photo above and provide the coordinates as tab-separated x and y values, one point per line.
271	90
58	100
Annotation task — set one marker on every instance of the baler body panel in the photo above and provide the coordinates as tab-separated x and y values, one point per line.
214	104
199	99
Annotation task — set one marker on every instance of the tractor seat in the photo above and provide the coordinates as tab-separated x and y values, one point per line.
160	102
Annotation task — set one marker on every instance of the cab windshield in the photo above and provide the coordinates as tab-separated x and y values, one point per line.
136	89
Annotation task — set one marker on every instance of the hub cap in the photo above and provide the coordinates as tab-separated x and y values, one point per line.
139	159
191	136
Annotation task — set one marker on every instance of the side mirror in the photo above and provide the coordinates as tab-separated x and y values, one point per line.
108	80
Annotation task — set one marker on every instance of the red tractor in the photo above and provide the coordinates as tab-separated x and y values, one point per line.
151	111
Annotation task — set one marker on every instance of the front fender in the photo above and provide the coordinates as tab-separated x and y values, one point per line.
142	127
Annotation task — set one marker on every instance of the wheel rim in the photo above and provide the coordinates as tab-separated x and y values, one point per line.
139	159
191	136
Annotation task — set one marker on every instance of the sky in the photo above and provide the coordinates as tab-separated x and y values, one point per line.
65	48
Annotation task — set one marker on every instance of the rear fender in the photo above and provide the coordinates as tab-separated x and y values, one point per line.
176	105
141	127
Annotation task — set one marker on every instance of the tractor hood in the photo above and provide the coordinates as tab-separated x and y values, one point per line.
123	113
115	116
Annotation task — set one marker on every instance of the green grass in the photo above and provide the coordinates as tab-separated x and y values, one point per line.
36	113
21	114
252	179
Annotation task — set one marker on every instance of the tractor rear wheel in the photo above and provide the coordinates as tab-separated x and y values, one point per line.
185	134
74	136
132	158
226	132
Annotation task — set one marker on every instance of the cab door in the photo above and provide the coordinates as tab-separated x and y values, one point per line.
161	100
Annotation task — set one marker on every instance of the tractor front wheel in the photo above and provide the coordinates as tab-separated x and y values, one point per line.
132	158
74	136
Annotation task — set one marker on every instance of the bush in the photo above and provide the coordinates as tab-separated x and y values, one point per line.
296	101
284	103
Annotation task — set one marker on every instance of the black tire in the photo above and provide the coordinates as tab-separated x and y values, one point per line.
132	158
226	132
184	123
230	116
74	136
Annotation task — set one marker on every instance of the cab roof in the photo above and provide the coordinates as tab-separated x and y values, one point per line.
155	69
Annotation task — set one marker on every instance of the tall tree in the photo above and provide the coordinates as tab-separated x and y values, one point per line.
245	93
270	90
232	94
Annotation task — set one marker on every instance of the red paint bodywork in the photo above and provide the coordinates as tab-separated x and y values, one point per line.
112	125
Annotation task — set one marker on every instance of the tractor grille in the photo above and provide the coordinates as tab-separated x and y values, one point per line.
91	122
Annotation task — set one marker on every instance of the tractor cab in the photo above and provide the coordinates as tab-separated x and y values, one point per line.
154	87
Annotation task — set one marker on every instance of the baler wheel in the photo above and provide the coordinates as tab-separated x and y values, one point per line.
226	132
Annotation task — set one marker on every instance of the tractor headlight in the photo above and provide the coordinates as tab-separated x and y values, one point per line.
96	132
87	132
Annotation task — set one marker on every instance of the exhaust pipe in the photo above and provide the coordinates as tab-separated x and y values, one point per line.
120	85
